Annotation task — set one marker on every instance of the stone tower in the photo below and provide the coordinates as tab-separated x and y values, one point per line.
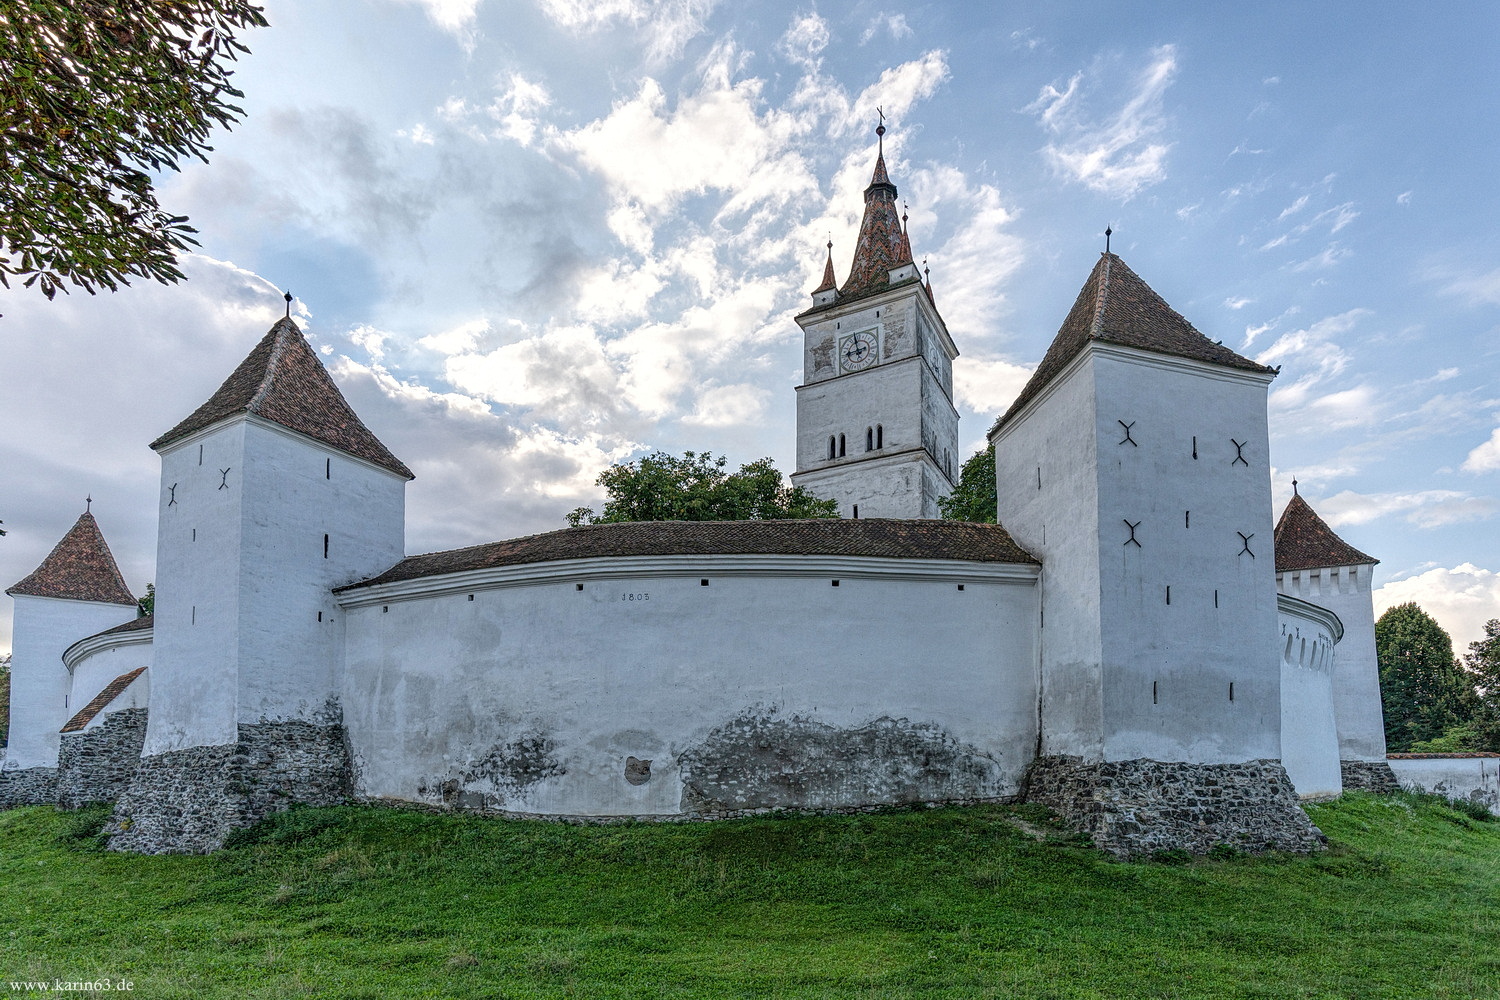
272	492
876	426
1316	565
76	591
1134	464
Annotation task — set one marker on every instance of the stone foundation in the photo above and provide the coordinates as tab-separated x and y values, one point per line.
96	765
187	801
1368	776
1136	807
28	786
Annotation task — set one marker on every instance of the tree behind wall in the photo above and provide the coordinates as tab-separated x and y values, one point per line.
1483	666
973	499
5	700
698	487
1424	691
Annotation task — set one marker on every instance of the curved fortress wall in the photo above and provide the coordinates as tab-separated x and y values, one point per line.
694	685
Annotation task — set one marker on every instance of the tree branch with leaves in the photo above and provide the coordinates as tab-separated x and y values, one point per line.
94	98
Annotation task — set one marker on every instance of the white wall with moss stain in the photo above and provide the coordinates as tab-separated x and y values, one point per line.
1475	777
534	695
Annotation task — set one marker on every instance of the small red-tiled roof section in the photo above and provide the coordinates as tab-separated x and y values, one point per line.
283	381
1117	307
79	568
830	282
100	701
882	243
876	537
134	625
1305	541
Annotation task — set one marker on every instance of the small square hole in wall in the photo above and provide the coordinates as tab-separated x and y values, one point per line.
835	583
960	586
385	609
577	586
471	597
703	583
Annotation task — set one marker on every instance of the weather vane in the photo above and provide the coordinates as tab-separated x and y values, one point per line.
288	297
1108	232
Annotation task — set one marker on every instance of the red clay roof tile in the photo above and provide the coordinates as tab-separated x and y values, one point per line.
100	701
79	568
1305	541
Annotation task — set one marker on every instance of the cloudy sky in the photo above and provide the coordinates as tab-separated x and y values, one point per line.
533	239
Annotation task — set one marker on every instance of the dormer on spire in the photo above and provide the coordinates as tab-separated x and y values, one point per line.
827	290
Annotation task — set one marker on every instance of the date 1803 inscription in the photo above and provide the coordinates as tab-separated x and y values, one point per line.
635	597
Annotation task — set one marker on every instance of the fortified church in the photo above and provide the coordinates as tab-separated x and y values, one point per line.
1133	645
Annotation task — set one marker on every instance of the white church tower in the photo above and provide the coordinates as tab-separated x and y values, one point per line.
76	592
876	426
272	493
1134	463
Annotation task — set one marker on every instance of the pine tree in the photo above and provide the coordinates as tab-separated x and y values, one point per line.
1423	689
1483	666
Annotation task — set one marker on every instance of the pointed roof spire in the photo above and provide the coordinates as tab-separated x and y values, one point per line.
1116	307
882	243
79	568
927	273
829	281
283	381
1305	541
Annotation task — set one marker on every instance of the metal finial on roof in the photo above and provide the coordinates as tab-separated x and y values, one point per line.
88	503
1294	486
1108	232
288	297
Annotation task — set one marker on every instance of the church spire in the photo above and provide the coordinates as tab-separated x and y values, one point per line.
829	282
883	245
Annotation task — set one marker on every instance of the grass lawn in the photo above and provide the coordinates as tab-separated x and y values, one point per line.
974	902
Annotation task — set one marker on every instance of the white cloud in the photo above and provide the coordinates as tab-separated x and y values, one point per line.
453	16
1486	457
418	134
805	39
1118	154
1404	198
1423	508
728	406
1461	598
515	108
668	24
1238	302
1293	208
1478	289
456	340
1330	255
894	24
987	385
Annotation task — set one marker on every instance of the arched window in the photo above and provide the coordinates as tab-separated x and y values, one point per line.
869	439
879	436
832	451
841	446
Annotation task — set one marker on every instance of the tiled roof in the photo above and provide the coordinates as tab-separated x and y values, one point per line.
111	691
137	624
283	381
879	537
829	280
1117	307
79	568
882	242
1305	541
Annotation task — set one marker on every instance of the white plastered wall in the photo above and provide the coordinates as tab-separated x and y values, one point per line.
1309	639
1169	660
242	577
435	680
105	661
40	697
1346	591
1047	497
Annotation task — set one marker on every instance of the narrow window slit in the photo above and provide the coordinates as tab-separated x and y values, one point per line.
325	546
1153	693
1169	595
1231	690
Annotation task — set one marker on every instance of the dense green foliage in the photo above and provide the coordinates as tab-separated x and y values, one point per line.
1483	667
698	487
94	96
146	603
948	903
1423	690
973	499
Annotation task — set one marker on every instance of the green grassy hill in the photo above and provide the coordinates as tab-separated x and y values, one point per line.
978	902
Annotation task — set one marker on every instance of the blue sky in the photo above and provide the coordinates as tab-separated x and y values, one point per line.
533	239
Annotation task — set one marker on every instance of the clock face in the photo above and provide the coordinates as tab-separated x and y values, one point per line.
857	351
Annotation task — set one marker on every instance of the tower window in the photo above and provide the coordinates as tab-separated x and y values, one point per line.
842	452
879	436
327	468
325	546
833	451
869	439
200	454
856	512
